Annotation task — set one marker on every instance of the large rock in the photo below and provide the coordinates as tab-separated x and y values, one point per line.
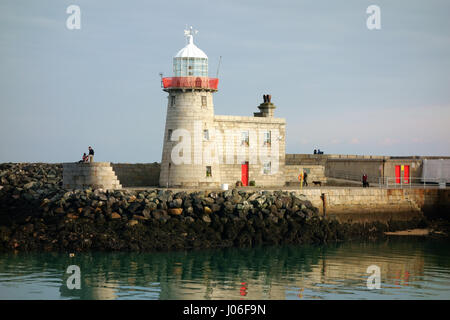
132	223
207	210
159	214
176	203
115	215
30	185
175	211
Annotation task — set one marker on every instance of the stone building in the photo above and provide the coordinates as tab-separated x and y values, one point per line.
204	149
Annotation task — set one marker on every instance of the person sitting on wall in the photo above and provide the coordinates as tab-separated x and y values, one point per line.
84	159
315	151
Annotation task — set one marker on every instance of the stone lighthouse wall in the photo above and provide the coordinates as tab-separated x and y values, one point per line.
189	113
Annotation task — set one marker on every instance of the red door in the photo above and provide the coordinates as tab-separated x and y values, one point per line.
397	174
244	178
406	174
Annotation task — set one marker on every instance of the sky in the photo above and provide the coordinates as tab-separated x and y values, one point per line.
342	88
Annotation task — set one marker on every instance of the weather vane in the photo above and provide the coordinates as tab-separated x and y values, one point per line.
189	33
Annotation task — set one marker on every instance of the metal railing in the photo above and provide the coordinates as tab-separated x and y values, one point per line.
412	182
190	82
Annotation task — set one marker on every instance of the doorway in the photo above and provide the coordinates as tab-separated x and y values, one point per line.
244	173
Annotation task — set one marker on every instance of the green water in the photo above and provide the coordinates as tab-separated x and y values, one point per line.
411	268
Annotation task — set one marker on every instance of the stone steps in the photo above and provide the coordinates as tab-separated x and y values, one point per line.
95	175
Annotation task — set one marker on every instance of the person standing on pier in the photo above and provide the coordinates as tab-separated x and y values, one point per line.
305	177
91	154
364	181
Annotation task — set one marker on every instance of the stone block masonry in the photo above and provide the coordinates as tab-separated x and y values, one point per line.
381	205
94	175
137	174
315	173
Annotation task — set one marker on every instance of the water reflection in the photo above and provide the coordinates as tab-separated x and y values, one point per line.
410	269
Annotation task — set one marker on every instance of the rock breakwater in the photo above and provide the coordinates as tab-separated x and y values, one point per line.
36	213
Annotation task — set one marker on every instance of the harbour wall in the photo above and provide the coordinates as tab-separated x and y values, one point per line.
376	204
352	167
313	166
38	213
108	175
137	174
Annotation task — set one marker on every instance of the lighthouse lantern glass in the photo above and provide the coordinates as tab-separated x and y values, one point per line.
190	67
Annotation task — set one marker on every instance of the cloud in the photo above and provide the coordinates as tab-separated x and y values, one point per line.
304	141
354	141
335	141
417	140
389	141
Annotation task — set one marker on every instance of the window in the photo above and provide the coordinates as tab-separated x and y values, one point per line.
208	171
244	138
172	100
203	101
267	138
169	135
267	167
205	135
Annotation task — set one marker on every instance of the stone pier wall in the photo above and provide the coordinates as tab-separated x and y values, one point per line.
137	174
314	165
382	205
95	175
315	173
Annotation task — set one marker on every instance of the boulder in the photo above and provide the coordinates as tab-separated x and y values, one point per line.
209	201
136	217
159	213
72	216
146	213
132	223
189	219
29	185
175	211
176	203
207	210
115	215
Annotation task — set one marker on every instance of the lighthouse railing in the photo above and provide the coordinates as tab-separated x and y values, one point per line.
190	82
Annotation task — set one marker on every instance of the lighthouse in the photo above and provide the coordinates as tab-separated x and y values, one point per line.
189	139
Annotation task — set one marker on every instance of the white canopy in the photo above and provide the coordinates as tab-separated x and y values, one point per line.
191	50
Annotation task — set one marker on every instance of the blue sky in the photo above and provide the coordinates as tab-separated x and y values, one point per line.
341	87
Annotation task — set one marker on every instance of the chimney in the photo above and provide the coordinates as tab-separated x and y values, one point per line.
266	108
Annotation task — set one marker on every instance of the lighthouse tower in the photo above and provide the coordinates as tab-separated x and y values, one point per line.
189	139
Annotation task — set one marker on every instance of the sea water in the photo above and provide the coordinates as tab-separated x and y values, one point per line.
409	268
